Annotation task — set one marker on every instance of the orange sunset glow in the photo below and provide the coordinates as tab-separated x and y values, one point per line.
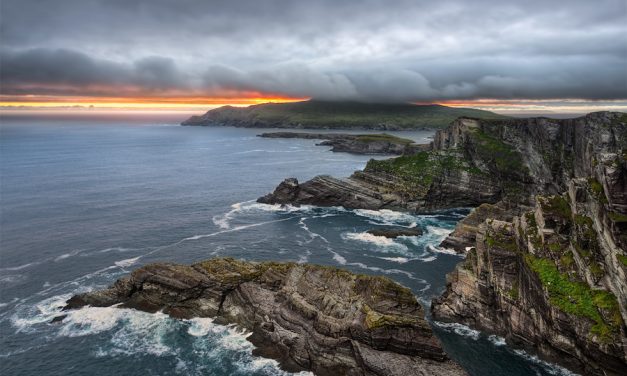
144	103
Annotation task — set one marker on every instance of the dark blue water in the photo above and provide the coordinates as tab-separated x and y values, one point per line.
86	201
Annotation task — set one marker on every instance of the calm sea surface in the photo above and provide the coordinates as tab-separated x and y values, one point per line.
84	202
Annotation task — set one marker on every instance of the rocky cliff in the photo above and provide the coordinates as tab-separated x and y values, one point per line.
547	242
357	143
309	317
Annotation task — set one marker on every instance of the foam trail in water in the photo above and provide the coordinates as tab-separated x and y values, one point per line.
459	329
553	369
388	217
383	244
400	260
342	261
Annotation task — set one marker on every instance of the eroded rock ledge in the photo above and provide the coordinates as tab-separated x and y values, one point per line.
357	143
309	317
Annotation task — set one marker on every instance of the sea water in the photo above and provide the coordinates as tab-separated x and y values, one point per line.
85	201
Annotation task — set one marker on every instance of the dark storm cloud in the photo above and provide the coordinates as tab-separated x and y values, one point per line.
362	50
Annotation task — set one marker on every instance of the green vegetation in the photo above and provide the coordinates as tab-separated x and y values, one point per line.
342	115
501	241
597	190
597	270
416	172
567	260
557	205
622	259
577	298
503	156
514	292
383	137
375	320
618	217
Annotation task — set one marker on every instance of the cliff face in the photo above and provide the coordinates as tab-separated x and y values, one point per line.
309	317
548	240
550	274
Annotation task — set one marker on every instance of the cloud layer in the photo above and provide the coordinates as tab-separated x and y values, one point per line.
355	50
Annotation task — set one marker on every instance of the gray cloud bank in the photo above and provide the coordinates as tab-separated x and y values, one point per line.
336	50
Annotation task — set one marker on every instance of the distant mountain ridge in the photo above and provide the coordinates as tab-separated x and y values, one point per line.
315	114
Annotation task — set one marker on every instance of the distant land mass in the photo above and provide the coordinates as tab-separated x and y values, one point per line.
316	114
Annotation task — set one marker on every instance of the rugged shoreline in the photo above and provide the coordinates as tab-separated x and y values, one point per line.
357	143
547	244
308	317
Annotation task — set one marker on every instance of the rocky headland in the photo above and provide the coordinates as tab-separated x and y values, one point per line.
395	232
317	114
357	143
546	244
308	317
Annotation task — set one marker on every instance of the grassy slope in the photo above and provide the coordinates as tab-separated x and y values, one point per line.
312	114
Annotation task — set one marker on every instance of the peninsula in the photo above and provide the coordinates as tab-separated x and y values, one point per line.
315	114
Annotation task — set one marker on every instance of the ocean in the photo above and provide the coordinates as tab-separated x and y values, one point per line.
85	200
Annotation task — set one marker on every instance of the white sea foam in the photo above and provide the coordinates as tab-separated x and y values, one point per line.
389	217
238	228
9	302
496	340
20	267
118	249
68	255
12	278
127	262
339	258
386	244
400	260
428	258
342	261
27	318
92	320
553	369
312	235
459	329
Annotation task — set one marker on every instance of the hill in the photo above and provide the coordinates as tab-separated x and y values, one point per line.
337	115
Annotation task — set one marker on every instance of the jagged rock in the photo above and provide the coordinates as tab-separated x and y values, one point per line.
357	143
395	232
575	235
308	317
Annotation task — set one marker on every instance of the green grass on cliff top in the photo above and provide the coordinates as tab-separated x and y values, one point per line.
577	298
342	115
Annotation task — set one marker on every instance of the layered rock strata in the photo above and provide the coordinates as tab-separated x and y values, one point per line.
309	317
547	241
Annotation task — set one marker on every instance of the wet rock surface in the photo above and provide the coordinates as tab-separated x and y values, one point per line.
395	232
308	317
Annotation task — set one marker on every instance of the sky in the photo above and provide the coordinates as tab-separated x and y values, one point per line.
509	56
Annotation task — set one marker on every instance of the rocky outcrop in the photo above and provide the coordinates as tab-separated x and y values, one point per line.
547	250
550	274
357	143
308	317
544	282
395	232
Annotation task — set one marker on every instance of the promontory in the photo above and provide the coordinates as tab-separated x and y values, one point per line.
308	317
